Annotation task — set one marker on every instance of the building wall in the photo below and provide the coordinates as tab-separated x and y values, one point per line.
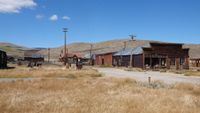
121	60
195	62
3	60
138	61
104	59
175	55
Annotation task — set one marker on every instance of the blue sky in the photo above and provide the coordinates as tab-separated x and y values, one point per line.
39	23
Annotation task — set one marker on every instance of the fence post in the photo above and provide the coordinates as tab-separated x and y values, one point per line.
149	80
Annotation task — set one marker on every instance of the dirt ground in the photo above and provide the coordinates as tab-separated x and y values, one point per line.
166	77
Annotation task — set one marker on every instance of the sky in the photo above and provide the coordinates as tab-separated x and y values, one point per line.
39	23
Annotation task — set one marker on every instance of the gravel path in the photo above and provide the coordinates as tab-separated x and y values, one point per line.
168	78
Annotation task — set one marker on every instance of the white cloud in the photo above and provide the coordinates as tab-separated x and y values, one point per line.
54	18
66	18
14	6
39	16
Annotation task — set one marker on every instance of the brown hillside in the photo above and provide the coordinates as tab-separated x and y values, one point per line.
100	47
12	49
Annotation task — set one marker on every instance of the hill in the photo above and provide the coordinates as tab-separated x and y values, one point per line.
12	49
100	47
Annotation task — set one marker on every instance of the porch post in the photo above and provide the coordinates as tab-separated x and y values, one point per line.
177	63
168	63
159	62
150	61
187	63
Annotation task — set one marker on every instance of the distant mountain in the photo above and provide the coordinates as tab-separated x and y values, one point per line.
100	47
12	49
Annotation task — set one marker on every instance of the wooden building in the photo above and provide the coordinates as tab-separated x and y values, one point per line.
3	60
195	62
155	55
33	57
74	58
104	59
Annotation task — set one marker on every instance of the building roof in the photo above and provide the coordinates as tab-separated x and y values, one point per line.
135	51
164	43
79	55
129	51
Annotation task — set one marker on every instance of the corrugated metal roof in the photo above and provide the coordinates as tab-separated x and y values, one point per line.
87	56
129	51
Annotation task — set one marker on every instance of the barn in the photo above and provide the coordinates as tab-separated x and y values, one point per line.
3	60
155	55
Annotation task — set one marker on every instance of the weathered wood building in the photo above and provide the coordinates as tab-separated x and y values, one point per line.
153	56
3	60
104	59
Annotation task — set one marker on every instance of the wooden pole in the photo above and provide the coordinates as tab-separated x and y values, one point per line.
91	47
131	55
48	55
65	45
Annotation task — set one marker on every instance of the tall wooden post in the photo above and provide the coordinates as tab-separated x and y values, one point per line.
177	63
65	45
91	47
131	57
160	62
150	57
168	63
186	63
48	54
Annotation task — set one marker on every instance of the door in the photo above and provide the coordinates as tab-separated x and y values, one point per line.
102	61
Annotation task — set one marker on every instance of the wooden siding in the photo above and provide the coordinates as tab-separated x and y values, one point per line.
104	59
121	60
138	61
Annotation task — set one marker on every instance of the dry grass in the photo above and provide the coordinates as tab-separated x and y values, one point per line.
45	72
186	72
192	73
95	95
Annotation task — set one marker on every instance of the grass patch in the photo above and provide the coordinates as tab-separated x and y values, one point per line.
44	72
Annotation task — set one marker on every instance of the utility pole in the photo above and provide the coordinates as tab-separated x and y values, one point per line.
65	30
91	47
131	56
48	55
121	57
124	44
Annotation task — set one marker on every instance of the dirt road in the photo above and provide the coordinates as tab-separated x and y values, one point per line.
168	78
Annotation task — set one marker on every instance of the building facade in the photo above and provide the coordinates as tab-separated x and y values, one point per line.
3	60
156	55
